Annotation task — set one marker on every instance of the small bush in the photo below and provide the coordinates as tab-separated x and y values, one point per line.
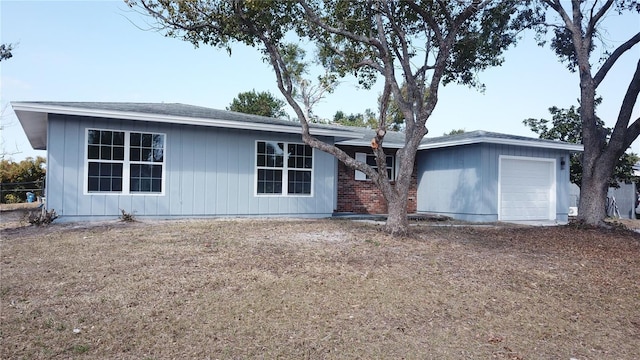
42	217
126	217
11	199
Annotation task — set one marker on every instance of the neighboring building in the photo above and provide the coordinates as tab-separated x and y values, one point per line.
625	199
175	160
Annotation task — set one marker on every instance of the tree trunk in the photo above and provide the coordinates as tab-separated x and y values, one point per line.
595	169
593	194
397	222
397	195
600	154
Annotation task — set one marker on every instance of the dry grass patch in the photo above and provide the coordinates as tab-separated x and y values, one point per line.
317	289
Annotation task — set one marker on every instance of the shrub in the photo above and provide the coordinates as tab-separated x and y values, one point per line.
126	217
11	199
42	217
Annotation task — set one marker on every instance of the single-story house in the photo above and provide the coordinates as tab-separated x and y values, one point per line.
175	160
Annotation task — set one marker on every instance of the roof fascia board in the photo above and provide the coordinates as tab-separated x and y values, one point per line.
185	120
493	140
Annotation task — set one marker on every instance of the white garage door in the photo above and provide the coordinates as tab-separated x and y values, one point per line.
527	189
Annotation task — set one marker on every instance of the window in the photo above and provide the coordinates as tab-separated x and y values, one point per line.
281	172
146	154
105	152
370	159
124	162
299	164
270	161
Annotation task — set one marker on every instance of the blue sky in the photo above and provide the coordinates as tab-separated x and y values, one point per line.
92	51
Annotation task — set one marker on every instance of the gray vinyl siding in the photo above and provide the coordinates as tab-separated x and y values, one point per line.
462	181
208	172
452	182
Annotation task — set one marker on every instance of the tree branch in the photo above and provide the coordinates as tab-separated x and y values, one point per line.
195	26
444	51
285	85
426	16
316	20
628	134
557	6
370	63
403	52
611	60
593	21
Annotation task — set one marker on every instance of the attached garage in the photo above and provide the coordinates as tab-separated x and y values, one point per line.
526	189
485	177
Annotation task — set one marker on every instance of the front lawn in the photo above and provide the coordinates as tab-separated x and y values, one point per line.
317	289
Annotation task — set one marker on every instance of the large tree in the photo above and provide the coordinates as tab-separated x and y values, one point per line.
258	103
420	44
565	125
577	26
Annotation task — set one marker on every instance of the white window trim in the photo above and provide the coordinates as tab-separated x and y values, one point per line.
362	157
285	171
126	163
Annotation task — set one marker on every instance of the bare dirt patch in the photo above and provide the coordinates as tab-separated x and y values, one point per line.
633	224
317	289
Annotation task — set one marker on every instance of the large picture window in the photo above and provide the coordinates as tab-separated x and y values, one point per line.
125	162
283	168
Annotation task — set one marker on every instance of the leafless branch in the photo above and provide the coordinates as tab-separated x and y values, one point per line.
594	19
611	60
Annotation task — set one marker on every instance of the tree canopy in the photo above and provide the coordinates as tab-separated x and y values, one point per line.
565	125
454	132
368	119
258	103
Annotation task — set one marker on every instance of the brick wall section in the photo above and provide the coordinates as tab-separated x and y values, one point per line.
363	197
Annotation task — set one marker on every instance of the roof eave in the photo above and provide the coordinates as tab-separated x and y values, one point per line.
492	140
23	110
35	127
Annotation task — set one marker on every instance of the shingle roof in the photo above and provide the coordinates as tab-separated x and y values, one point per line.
481	136
394	139
171	109
33	117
